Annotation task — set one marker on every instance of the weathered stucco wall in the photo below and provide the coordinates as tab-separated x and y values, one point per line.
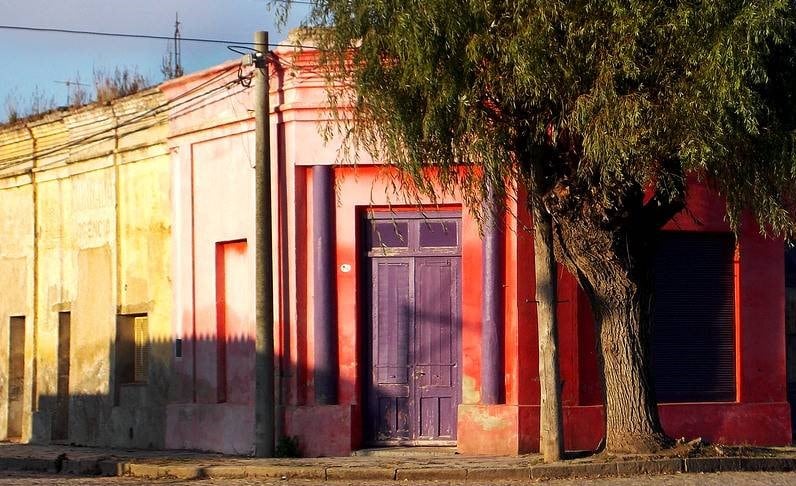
758	415
145	207
95	184
16	265
212	390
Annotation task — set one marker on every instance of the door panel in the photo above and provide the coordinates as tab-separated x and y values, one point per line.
392	304
436	330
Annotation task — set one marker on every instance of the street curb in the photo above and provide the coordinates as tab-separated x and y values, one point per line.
501	473
726	464
651	467
430	473
29	464
284	472
577	470
225	472
125	467
361	472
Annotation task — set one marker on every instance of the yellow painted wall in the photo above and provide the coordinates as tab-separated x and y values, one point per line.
95	182
16	282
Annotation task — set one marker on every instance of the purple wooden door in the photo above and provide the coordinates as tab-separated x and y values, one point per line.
413	388
436	345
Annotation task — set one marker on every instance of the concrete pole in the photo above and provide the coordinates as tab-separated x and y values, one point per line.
264	301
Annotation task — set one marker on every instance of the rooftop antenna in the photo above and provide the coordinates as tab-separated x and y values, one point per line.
178	71
78	94
171	67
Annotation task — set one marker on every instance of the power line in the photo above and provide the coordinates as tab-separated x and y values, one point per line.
170	104
297	2
135	36
108	132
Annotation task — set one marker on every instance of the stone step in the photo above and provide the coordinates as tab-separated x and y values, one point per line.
407	452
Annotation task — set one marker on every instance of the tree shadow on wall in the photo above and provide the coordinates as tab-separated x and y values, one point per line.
156	394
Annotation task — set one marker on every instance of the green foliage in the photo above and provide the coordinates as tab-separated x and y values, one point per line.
604	100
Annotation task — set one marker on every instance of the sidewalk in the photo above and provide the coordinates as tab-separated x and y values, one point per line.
408	466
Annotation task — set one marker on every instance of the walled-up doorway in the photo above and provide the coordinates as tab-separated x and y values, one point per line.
16	377
414	328
60	423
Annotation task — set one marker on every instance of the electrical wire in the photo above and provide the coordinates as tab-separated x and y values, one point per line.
200	103
138	36
89	140
244	142
297	2
242	79
154	111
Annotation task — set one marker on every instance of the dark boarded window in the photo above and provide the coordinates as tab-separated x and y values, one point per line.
438	234
389	234
694	328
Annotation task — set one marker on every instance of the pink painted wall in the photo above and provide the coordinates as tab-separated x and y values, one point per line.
213	200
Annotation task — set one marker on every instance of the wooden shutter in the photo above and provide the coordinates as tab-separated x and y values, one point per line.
141	357
694	326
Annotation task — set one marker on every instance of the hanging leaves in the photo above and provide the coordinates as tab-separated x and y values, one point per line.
607	98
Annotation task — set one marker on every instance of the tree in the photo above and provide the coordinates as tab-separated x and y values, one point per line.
602	110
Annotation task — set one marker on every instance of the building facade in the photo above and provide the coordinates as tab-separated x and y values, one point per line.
130	292
86	307
211	403
398	323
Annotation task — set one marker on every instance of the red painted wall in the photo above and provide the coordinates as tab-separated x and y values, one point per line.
760	415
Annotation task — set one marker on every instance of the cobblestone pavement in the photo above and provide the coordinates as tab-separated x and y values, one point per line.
11	478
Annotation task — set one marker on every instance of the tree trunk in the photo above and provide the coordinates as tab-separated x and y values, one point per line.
551	427
613	266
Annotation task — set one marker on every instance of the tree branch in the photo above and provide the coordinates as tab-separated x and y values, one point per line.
659	210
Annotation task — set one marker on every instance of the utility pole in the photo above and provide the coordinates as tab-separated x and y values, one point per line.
264	404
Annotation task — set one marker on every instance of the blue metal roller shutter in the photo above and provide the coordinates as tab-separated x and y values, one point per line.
693	331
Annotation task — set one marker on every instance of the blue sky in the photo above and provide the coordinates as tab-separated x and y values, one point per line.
35	61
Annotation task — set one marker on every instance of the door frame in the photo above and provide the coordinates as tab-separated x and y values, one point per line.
365	286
